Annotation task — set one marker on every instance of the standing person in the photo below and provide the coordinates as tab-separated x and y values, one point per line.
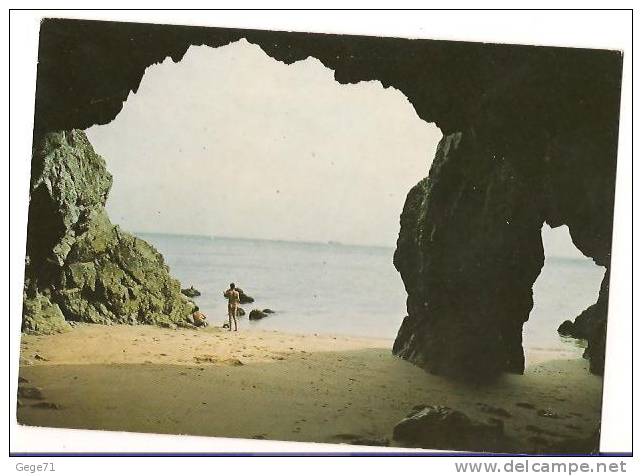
233	299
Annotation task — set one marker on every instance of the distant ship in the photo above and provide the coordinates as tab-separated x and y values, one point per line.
337	243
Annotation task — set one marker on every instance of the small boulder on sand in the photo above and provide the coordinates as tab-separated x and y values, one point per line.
438	427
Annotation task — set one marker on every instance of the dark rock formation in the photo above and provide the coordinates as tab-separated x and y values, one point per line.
437	427
268	311
566	328
79	266
531	135
191	292
591	325
469	248
240	311
468	293
256	314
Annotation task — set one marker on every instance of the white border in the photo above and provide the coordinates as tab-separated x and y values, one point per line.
586	29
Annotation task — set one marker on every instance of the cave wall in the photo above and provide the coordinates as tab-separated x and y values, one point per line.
469	251
533	129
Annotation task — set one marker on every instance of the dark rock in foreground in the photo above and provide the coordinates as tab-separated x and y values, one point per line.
469	251
79	266
268	311
437	427
256	314
191	292
240	311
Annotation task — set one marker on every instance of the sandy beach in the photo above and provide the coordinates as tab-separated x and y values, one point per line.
278	386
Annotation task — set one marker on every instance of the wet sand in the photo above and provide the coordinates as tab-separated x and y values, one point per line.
278	386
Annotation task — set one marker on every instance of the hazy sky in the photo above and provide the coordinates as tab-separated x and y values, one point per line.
230	142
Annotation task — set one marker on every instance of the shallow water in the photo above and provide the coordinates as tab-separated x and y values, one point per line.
346	289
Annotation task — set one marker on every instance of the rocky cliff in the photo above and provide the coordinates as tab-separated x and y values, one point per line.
591	325
79	266
468	293
469	250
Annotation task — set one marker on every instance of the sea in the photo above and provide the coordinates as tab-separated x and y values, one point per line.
339	289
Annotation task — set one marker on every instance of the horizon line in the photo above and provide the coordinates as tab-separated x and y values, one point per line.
306	242
329	242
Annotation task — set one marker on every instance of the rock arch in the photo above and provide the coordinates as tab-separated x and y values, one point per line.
530	136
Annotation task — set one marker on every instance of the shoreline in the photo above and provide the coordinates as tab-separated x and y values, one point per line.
272	385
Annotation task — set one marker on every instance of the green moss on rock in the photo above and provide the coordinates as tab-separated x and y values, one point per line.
91	270
41	316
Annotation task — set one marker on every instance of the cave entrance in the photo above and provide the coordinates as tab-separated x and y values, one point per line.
238	167
568	283
227	158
